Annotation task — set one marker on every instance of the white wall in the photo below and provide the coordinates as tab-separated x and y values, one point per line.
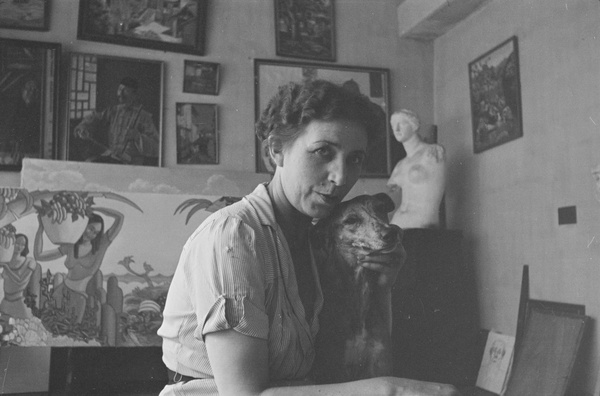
505	199
239	31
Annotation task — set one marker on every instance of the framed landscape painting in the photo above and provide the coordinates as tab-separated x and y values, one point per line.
197	134
201	77
305	29
176	26
495	91
114	112
372	82
29	74
25	15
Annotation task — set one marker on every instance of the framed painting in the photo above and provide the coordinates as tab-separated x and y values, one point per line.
25	15
197	134
114	111
29	81
176	26
305	29
201	77
495	91
372	82
547	352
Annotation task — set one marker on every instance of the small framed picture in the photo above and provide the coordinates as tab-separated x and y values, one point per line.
197	134
201	77
25	15
305	29
29	81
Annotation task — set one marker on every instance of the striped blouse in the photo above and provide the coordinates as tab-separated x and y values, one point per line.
236	272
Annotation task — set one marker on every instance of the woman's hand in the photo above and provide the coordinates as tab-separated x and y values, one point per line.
386	264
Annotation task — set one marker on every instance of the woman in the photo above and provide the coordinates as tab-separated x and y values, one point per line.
242	310
17	273
418	180
83	258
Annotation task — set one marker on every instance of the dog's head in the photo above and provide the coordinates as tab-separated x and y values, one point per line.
360	226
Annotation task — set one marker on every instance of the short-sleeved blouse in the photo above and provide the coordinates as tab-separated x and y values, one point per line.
236	272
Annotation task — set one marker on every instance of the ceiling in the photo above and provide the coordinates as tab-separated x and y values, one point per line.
444	18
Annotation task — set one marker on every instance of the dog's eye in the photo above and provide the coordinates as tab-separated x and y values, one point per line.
351	220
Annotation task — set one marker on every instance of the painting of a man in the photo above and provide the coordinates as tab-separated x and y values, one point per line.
131	136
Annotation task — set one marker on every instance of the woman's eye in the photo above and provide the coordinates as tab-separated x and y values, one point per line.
356	159
324	151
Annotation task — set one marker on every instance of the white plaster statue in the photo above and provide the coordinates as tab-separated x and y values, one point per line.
418	180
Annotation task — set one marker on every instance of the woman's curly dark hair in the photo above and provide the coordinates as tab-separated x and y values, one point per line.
296	105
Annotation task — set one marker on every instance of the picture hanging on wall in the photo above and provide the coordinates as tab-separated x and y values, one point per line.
201	77
114	112
305	29
29	72
197	134
25	15
372	82
495	90
176	26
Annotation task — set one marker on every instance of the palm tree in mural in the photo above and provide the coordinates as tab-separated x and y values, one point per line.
196	204
126	262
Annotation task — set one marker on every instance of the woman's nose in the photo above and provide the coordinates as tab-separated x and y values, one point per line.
338	172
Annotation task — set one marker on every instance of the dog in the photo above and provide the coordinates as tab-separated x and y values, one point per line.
354	337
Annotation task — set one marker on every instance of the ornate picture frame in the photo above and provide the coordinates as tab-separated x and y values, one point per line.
25	15
169	26
201	77
29	84
305	29
373	82
197	134
495	91
101	126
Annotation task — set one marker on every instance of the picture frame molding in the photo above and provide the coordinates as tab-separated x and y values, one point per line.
339	70
49	88
494	136
199	47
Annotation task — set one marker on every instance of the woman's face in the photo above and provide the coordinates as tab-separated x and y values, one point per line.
19	245
91	231
402	127
321	165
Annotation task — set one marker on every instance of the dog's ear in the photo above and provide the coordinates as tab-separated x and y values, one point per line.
388	204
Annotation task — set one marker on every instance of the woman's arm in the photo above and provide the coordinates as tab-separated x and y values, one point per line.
240	366
115	228
38	243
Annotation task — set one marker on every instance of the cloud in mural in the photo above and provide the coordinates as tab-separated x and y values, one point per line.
63	180
219	185
141	185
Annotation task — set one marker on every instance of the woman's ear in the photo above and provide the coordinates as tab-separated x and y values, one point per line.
276	150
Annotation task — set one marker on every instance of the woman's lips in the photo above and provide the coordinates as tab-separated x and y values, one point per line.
329	199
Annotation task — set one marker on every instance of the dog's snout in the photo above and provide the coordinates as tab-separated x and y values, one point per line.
390	234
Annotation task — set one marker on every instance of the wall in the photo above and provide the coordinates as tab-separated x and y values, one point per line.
506	199
239	31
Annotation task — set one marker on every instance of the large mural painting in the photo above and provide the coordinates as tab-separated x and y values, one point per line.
91	268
